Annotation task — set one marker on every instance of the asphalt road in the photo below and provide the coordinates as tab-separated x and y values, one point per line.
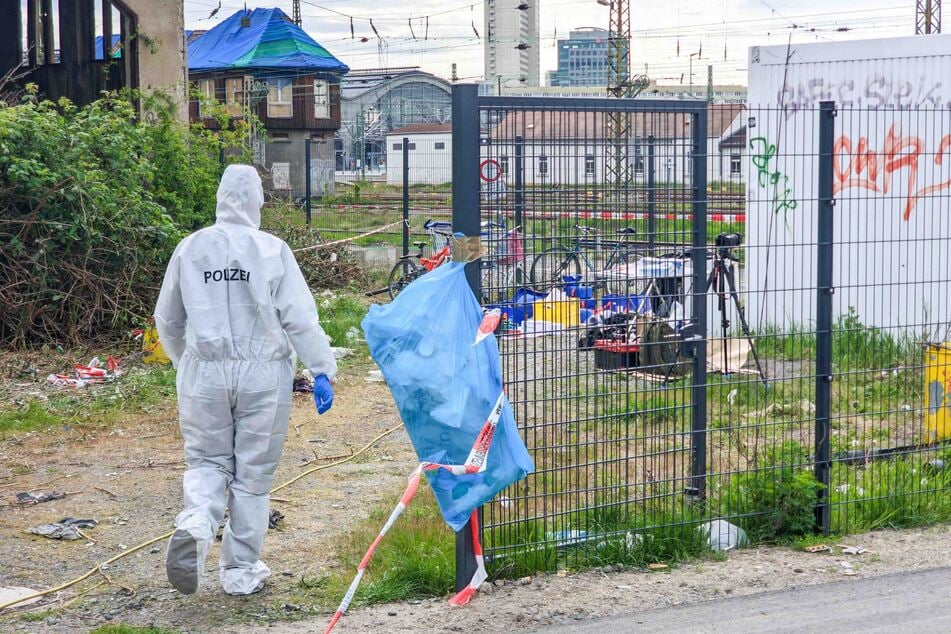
911	602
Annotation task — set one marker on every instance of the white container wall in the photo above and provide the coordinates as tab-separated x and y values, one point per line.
892	181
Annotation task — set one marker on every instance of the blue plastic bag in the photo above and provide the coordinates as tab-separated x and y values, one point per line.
445	387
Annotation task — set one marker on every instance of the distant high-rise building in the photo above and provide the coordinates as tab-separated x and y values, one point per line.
582	59
511	43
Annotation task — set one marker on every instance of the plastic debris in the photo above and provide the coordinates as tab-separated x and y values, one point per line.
93	372
67	528
723	536
490	321
32	498
562	539
303	385
818	548
853	550
274	520
341	353
375	376
9	594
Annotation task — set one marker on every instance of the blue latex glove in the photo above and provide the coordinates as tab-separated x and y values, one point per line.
323	393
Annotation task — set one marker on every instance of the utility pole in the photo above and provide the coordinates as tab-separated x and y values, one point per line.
710	83
618	170
455	77
927	17
296	18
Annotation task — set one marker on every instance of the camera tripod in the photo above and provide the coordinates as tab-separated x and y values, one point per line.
723	280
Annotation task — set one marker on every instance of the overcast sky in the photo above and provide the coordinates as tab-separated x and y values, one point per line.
719	30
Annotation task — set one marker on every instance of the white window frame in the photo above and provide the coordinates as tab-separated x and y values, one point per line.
321	99
280	98
739	164
589	165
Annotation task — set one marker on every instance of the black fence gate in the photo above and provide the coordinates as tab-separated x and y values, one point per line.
590	209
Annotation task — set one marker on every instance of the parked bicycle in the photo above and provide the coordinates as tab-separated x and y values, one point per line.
413	266
503	265
551	265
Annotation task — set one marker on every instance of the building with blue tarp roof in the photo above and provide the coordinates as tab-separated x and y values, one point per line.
259	61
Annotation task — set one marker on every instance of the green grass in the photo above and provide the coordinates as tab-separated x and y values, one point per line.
896	493
854	345
121	628
340	317
133	392
626	533
416	559
36	617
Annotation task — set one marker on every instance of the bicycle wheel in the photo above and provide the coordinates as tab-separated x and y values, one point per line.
403	272
549	267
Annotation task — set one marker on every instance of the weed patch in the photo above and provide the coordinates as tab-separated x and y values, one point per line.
416	560
135	391
776	499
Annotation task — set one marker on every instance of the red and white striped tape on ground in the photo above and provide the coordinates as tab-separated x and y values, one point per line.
475	463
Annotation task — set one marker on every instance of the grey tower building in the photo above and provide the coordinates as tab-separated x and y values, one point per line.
511	42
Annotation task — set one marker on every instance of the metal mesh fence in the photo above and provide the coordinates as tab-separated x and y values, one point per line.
743	318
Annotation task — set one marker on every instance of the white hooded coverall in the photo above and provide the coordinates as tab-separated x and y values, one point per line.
233	309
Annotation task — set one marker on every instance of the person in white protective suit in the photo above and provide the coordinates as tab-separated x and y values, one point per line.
233	309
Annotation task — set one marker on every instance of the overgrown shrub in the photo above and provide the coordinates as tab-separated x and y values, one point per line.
92	201
323	268
776	498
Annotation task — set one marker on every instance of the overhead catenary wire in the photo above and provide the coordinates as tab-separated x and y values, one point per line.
98	567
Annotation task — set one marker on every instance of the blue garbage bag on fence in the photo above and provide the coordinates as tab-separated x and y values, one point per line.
445	387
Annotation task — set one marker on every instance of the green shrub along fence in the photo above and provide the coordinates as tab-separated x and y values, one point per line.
92	202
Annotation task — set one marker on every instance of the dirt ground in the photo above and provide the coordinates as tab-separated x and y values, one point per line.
127	476
534	604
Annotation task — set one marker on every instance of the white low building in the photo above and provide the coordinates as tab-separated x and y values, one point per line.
430	154
567	147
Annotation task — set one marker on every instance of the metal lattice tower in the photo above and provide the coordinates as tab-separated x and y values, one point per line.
618	169
927	17
295	17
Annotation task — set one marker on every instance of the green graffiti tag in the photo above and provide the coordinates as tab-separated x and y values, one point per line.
763	154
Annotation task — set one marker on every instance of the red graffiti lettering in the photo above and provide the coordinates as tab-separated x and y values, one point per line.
857	166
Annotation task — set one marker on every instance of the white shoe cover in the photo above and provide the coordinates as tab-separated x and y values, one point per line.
242	581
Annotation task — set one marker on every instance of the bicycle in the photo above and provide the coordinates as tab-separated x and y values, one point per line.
551	265
503	265
411	267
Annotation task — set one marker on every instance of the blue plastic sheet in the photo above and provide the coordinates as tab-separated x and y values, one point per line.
269	41
445	387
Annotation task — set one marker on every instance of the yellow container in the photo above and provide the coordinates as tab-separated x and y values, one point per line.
152	348
938	390
566	312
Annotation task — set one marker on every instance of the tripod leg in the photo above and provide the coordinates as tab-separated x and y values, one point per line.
741	312
718	274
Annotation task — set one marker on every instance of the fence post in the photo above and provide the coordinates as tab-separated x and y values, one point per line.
824	292
519	178
465	220
405	196
651	194
698	421
307	175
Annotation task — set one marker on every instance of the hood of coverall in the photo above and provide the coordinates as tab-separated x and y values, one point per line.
240	196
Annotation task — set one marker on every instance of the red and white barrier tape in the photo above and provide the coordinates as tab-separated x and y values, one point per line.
475	463
617	215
